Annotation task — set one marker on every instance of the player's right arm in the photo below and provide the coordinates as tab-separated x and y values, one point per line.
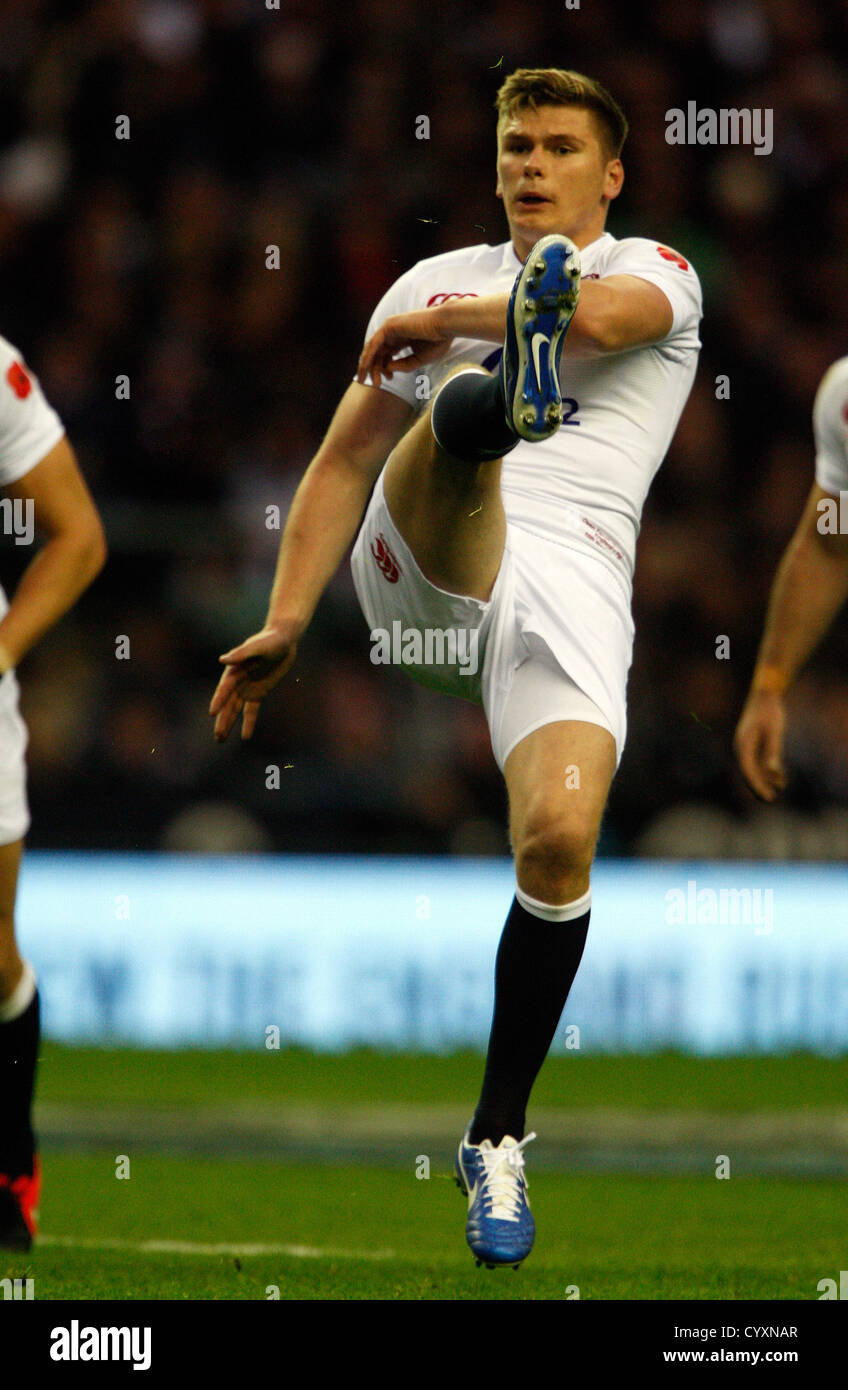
324	515
809	589
615	314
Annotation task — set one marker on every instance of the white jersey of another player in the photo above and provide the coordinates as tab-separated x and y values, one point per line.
830	426
585	487
29	427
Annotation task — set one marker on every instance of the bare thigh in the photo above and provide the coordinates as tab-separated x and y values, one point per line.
449	512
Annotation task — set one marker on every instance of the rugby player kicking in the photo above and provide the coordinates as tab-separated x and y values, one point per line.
40	477
809	589
510	509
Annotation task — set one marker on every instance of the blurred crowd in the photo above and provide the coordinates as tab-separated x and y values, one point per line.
252	125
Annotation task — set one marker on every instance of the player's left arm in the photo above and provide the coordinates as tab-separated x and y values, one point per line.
73	552
614	314
617	313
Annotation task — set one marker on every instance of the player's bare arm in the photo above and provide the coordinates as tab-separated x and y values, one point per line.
614	314
809	589
72	555
324	516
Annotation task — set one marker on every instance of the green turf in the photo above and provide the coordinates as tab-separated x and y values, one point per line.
658	1082
615	1237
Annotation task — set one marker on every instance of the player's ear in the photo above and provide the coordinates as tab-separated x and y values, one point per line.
614	179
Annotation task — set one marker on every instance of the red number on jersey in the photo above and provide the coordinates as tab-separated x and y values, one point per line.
674	256
18	380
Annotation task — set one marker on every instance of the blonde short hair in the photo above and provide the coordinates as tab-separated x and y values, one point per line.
534	87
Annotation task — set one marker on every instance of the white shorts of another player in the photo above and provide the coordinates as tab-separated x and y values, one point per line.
14	809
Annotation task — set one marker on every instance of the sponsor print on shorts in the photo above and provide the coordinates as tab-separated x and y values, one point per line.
428	646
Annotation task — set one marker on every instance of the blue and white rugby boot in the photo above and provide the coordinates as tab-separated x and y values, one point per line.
500	1229
541	306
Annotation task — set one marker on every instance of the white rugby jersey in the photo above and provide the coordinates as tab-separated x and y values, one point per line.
830	426
29	427
585	486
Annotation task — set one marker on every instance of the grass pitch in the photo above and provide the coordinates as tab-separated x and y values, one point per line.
200	1226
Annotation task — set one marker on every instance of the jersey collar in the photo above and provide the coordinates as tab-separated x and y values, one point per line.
513	262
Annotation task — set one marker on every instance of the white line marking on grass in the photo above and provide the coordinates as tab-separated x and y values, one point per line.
190	1247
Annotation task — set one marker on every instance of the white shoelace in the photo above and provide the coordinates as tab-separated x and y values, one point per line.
503	1179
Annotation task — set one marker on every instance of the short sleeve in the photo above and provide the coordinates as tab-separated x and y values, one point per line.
29	427
398	299
830	427
666	268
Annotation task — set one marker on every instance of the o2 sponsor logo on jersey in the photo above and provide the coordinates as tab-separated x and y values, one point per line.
17	378
386	562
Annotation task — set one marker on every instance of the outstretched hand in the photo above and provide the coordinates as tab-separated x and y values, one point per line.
419	336
759	744
251	670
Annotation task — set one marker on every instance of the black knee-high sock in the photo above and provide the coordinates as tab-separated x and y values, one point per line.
18	1057
536	964
468	418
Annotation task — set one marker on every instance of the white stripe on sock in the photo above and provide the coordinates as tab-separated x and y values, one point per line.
21	997
551	913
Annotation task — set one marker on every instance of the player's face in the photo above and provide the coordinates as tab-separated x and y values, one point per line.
554	175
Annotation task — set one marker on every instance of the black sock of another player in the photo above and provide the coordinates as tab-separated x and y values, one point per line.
19	1039
468	418
536	964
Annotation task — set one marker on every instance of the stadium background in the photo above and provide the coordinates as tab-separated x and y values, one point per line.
146	258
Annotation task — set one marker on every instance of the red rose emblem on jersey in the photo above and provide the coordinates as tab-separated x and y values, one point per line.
18	380
386	562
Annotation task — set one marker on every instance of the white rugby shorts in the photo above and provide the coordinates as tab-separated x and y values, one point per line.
14	808
554	641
